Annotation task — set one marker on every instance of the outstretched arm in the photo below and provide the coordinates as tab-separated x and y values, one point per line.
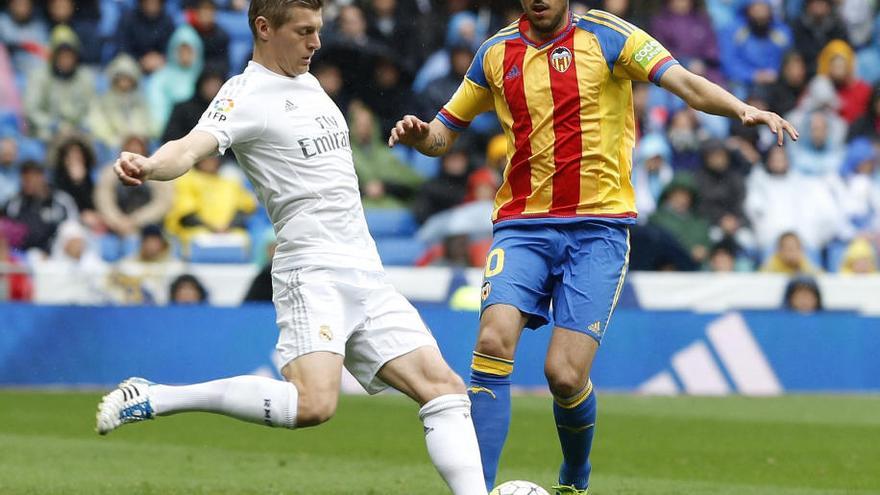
708	97
169	162
432	139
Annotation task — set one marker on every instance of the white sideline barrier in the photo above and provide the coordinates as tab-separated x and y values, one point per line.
703	292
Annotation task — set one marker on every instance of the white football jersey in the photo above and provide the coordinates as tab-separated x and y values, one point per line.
292	142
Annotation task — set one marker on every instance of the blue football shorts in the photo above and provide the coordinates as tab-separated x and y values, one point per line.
575	268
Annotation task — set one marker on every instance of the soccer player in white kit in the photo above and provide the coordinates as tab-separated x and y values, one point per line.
334	307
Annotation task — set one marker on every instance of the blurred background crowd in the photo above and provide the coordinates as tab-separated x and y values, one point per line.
81	80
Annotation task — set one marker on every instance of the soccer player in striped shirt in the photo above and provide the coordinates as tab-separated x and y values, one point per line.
561	87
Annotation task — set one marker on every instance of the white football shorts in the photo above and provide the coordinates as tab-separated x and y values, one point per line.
353	313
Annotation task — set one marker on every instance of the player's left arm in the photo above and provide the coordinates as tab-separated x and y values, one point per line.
169	162
642	58
708	97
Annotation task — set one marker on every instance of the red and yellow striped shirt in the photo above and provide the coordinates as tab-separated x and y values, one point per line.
566	108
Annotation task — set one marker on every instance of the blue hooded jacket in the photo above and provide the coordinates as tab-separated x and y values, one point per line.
743	53
175	83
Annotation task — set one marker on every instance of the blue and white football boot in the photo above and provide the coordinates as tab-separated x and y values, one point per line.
128	403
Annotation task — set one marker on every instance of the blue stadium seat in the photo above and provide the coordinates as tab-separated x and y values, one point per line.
129	245
102	84
21	82
235	24
104	155
391	223
111	12
110	247
400	251
834	255
174	9
240	38
31	149
426	166
9	123
202	254
239	53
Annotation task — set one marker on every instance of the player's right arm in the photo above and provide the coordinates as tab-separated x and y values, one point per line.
432	139
169	162
472	98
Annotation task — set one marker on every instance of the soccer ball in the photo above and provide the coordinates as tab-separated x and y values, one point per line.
518	487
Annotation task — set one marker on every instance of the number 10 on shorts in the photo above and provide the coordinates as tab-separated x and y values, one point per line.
494	262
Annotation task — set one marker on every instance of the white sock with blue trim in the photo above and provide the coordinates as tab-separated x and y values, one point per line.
255	399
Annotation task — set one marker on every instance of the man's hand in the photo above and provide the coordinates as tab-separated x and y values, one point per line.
410	130
751	117
131	168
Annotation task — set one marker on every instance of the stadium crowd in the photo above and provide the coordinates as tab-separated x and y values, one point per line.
81	80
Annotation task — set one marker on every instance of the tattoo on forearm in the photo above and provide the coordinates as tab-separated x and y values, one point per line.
438	144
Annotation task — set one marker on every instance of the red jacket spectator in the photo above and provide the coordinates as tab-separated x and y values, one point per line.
15	284
837	61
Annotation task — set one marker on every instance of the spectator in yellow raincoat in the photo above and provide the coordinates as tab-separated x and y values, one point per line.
207	203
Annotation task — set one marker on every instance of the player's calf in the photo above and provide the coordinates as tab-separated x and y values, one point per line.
567	368
445	413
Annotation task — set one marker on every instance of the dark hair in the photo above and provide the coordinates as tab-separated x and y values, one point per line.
277	12
802	282
187	279
74	142
29	165
726	245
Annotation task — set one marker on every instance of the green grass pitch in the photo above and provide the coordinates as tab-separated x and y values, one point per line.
781	446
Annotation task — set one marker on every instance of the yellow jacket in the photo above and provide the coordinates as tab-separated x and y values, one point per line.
206	203
775	265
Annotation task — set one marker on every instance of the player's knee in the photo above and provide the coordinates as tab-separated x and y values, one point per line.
315	408
494	342
564	381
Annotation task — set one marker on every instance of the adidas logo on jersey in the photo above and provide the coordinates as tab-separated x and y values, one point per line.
289	106
513	73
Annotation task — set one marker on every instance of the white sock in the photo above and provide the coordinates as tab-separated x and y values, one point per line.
452	443
250	398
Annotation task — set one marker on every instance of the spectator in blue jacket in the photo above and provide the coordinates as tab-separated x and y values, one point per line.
753	48
144	33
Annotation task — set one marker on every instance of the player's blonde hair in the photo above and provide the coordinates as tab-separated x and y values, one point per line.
277	12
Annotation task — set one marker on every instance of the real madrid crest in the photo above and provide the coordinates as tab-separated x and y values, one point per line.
325	333
560	58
